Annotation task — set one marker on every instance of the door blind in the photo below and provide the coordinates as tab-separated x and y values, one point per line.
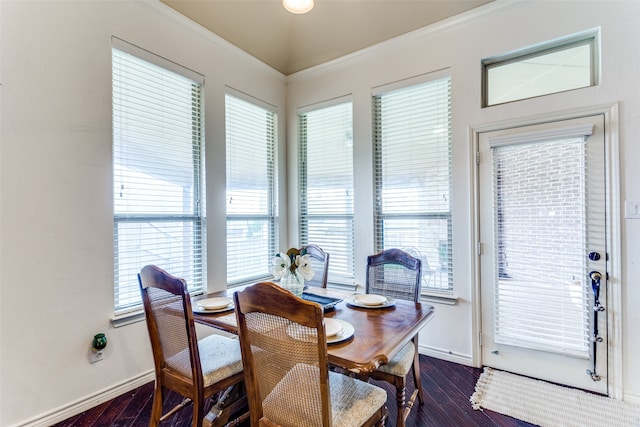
541	300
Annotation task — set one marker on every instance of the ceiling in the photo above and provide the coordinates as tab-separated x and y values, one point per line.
291	43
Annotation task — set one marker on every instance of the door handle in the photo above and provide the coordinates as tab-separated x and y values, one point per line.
595	277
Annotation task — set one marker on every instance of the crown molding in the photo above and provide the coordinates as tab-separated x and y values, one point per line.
393	43
158	6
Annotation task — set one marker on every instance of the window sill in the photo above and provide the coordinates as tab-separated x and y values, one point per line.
127	318
447	299
342	286
137	315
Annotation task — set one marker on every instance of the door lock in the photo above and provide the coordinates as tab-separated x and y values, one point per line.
595	276
594	256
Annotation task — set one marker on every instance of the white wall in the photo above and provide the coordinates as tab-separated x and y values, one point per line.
56	188
460	45
56	266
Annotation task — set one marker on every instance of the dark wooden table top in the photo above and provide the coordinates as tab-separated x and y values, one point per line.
379	332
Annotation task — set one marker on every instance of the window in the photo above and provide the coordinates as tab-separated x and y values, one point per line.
326	185
412	175
157	171
252	214
541	70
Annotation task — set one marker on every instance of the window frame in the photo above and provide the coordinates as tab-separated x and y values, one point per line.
337	280
271	218
379	216
590	37
196	263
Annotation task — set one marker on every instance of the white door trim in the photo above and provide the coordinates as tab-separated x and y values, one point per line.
614	284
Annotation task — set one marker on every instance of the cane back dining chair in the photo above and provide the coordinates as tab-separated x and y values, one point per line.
320	264
394	273
195	369
287	377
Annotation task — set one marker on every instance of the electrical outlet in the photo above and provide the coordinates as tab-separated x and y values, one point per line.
631	209
95	356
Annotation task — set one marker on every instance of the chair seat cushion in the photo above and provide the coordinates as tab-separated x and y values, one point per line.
220	358
401	363
353	401
294	402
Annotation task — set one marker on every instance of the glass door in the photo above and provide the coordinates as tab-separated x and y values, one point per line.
543	262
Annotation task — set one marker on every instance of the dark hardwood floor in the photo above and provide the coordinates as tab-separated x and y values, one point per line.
447	386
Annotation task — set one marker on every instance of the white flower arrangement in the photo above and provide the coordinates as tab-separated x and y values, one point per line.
291	261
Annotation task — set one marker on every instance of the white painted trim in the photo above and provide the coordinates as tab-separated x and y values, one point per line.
475	247
411	81
250	99
324	104
145	55
67	411
439	298
632	398
219	41
614	285
439	353
128	318
391	45
569	132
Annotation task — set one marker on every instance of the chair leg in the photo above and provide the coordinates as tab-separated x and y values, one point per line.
416	377
156	406
383	421
198	411
401	390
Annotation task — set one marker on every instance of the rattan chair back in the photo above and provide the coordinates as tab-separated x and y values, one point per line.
320	264
394	273
285	357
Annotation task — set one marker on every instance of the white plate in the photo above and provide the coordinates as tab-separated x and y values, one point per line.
332	327
198	309
388	303
370	299
214	303
346	332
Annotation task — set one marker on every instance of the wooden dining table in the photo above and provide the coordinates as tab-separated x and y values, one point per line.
379	333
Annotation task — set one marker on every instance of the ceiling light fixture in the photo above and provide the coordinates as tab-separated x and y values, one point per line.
298	6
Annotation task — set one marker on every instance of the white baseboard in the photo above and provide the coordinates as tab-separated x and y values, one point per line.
632	398
86	403
448	355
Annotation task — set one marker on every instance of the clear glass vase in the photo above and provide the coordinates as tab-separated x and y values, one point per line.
293	282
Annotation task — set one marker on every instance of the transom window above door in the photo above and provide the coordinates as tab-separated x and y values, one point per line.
552	67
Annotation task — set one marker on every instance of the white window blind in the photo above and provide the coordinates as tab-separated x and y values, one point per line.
412	154
251	189
326	183
157	172
541	225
